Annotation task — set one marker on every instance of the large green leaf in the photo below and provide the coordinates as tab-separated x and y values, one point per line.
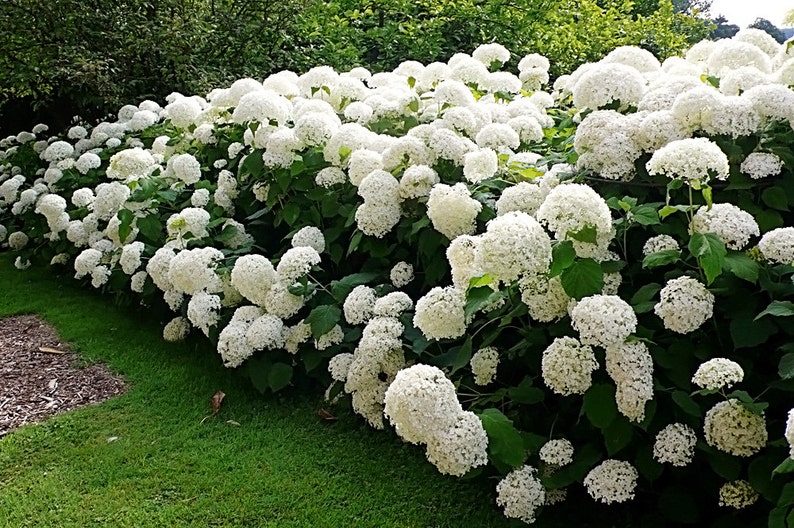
710	253
778	309
661	258
505	445
582	279
786	366
323	318
279	376
742	266
599	405
562	256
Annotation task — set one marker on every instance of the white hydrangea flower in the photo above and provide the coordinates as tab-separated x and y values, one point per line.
377	219
612	481
280	302
675	444
777	245
297	335
732	225
452	210
17	240
557	453
333	337
177	329
183	111
491	53
392	304
718	373
520	493
604	84
514	244
266	332
630	366
417	182
233	346
185	167
86	162
361	163
733	428
684	305
359	305
570	208
694	160
158	267
545	298
640	59
567	366
296	263
130	259
658	243
460	448
481	164
253	276
22	264
57	151
440	313
110	197
760	165
789	434
523	196
339	365
193	220
200	198
738	494
137	281
483	365
131	164
203	310
401	274
603	320
462	257
421	401
60	258
193	270
309	236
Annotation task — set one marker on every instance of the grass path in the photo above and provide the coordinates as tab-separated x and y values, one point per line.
281	467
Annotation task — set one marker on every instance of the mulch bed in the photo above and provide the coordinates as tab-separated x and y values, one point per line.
40	376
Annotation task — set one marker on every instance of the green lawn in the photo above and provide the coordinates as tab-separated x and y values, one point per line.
282	466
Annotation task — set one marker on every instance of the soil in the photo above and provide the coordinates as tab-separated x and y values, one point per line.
40	376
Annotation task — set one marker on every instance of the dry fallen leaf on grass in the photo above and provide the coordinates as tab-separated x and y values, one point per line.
325	415
217	400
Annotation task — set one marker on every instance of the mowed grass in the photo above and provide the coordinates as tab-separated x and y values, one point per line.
282	466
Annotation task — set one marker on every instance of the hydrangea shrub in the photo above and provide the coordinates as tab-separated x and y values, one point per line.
584	291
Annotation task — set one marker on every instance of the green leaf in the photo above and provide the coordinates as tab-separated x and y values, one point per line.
355	240
710	253
323	318
775	197
599	405
687	404
645	293
463	357
742	266
747	332
645	214
787	466
525	393
562	256
587	234
725	465
618	435
228	233
482	280
582	279
279	376
478	298
661	258
785	368
778	309
341	288
505	445
150	227
126	217
291	213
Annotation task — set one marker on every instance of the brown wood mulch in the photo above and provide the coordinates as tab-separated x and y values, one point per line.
40	376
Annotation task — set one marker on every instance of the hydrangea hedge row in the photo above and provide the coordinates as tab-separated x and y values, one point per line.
584	292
